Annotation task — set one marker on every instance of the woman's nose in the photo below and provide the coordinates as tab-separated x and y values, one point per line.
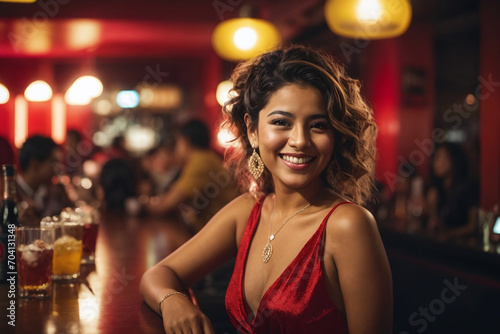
299	138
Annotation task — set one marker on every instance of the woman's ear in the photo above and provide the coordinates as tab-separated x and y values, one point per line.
251	132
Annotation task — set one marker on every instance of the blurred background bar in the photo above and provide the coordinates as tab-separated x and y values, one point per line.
112	82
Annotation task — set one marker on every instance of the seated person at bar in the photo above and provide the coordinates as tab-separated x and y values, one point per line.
76	151
117	150
118	188
38	196
309	258
406	204
203	187
452	199
160	168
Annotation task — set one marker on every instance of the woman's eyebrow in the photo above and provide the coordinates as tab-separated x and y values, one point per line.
281	112
288	114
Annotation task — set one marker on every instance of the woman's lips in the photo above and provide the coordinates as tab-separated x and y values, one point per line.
296	162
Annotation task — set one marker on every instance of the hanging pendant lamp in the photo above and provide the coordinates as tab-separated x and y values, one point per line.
4	94
368	19
38	91
244	37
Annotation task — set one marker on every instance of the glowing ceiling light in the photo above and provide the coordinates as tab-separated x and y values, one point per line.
368	11
83	90
75	97
127	99
4	94
89	85
38	91
82	33
226	138
222	93
368	19
243	38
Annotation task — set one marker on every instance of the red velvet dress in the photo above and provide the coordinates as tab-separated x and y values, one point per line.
297	302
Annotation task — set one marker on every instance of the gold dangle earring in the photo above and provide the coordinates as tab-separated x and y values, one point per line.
255	164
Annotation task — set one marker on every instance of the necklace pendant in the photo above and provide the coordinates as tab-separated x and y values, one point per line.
268	252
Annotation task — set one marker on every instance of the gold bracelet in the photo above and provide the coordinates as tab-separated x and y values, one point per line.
168	295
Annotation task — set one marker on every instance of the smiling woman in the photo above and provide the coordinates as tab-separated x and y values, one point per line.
332	95
309	258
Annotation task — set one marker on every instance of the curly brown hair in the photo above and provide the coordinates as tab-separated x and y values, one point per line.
351	170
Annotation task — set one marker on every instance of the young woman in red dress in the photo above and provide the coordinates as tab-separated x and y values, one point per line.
309	257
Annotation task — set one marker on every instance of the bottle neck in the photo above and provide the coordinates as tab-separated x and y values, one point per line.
9	190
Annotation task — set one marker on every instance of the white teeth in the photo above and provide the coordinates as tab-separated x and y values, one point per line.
296	160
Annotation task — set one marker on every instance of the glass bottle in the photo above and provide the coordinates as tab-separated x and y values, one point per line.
8	223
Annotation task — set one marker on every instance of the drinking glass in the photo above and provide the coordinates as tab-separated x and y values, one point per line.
90	219
67	246
34	256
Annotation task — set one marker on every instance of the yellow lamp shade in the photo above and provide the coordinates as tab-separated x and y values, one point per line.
368	19
244	38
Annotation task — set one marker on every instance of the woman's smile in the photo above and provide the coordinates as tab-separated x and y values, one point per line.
296	161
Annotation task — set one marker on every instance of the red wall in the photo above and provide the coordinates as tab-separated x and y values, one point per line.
39	118
416	114
489	105
382	80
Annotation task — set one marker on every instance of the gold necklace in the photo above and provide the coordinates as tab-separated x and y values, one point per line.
268	248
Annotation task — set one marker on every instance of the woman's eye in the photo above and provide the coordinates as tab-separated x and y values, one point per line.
279	122
320	126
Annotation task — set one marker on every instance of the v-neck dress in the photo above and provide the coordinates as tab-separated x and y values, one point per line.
297	302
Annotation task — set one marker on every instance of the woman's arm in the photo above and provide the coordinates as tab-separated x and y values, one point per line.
354	243
215	244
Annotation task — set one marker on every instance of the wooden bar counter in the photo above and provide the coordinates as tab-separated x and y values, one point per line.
105	298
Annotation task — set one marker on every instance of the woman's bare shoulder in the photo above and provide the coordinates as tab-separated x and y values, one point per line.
240	208
238	211
350	220
244	201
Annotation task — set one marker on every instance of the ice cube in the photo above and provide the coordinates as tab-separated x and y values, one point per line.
36	246
31	252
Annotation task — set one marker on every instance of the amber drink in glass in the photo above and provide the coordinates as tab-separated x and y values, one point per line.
34	255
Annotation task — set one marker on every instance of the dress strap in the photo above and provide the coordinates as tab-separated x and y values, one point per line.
333	209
